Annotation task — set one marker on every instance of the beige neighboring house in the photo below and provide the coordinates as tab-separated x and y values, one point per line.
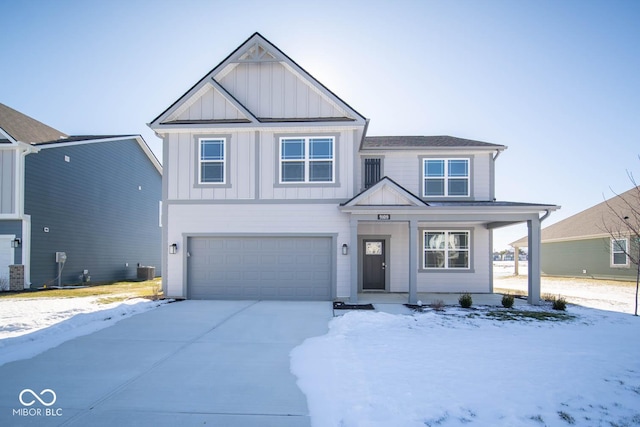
593	243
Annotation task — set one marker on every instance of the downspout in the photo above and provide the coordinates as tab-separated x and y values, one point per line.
25	150
545	216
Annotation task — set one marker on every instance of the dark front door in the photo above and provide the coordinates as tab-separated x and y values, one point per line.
373	265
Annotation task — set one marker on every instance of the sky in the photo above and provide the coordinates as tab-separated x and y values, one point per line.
557	81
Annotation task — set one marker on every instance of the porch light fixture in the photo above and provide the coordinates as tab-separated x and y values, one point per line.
345	249
173	248
15	243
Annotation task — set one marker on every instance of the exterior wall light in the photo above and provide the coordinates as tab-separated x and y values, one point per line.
173	248
15	243
345	249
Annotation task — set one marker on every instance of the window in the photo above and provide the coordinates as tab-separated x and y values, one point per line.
619	256
306	159
212	161
446	249
446	178
371	171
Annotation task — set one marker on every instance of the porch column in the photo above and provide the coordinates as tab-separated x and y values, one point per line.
413	261
353	228
534	260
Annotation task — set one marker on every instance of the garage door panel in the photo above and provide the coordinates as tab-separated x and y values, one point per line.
260	268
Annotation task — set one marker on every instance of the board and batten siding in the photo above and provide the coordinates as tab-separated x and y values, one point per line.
405	168
253	163
251	219
7	181
273	90
100	207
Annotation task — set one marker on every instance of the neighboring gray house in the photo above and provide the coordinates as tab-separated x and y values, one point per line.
582	246
273	190
95	198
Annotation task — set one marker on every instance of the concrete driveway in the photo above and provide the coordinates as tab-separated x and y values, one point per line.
191	363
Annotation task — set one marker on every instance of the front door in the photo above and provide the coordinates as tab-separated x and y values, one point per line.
373	265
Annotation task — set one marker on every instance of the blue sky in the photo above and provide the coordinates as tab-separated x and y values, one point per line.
558	81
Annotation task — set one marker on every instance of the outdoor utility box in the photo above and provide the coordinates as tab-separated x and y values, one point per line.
146	273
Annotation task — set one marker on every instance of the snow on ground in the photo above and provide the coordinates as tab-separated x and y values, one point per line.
461	368
456	369
602	294
30	326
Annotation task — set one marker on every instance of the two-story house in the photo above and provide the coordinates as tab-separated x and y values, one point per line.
273	190
93	198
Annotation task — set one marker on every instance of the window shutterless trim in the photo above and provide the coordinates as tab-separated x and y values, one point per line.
446	177
225	161
446	268
612	243
307	160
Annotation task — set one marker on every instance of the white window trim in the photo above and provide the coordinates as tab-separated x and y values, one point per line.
446	250
223	161
446	177
626	257
307	161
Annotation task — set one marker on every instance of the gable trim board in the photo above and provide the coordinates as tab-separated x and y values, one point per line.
162	121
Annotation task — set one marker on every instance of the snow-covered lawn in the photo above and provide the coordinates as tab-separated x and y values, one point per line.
452	368
461	368
30	326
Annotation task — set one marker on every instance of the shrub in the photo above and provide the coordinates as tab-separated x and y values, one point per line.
465	300
437	305
560	303
507	300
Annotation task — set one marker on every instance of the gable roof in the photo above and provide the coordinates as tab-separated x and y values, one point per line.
213	90
23	128
385	192
592	222
440	141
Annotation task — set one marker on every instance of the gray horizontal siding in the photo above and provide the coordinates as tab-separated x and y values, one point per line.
571	258
93	210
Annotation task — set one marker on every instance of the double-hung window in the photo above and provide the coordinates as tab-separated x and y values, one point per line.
446	249
445	178
307	159
212	160
619	252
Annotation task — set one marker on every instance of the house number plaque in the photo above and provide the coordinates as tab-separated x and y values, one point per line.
384	217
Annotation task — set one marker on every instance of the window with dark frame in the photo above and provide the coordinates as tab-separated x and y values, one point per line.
372	171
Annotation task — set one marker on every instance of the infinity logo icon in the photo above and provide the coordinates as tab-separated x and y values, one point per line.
37	397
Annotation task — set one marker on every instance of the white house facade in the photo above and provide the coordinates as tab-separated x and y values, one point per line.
273	190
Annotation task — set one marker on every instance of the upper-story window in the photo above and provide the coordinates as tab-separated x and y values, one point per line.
446	177
619	256
212	160
307	159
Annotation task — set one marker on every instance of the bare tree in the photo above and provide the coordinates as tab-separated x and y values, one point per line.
623	226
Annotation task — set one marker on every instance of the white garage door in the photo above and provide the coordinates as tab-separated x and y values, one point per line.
275	268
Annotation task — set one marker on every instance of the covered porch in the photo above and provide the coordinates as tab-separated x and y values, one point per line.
387	218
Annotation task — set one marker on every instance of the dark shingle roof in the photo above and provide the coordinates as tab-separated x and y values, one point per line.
25	129
594	221
440	141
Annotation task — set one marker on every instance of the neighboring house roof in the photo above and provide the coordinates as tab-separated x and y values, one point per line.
441	141
592	222
22	128
26	129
